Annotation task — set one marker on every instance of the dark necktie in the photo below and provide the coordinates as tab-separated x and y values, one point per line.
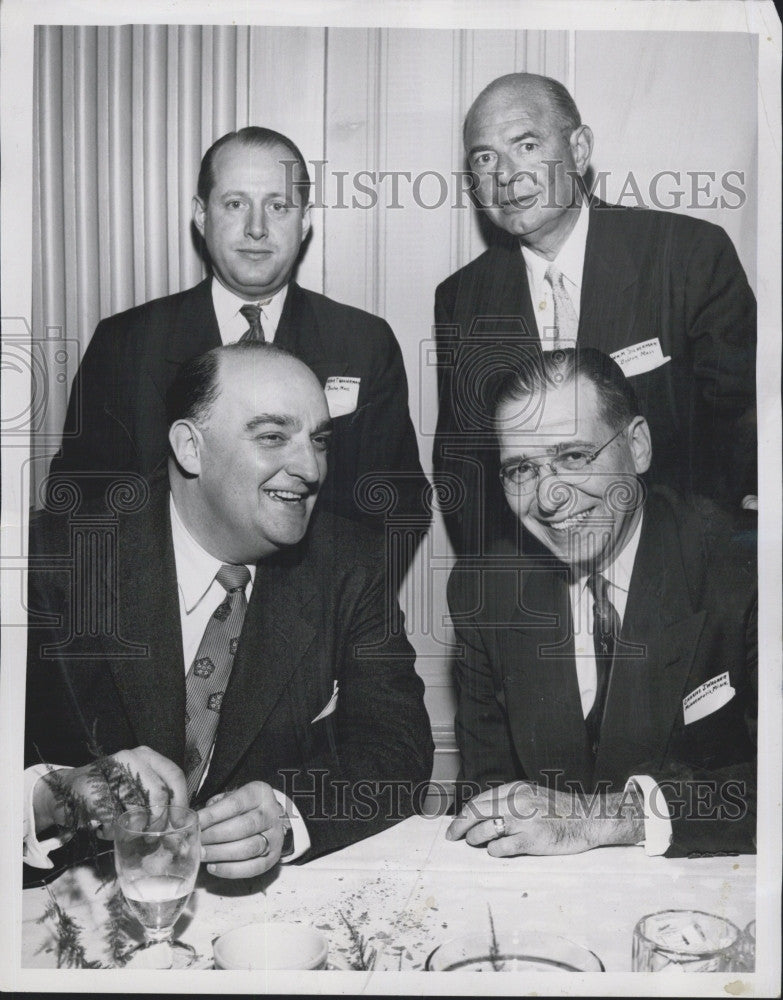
255	332
208	676
606	628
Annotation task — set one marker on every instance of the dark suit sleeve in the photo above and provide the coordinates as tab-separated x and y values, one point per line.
481	729
714	810
377	769
720	313
96	436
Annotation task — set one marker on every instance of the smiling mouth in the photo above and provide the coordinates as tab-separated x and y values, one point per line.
570	522
287	496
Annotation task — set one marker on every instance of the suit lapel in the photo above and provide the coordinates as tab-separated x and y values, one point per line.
541	686
276	637
151	687
498	295
607	306
659	636
300	333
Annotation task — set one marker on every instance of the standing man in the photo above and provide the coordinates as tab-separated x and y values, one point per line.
236	652
607	681
252	211
662	293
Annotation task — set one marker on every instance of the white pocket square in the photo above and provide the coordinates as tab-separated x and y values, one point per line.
707	698
331	705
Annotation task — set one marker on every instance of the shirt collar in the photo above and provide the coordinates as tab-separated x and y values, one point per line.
619	571
571	257
196	568
227	306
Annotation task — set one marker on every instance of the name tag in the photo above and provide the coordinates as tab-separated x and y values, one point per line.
342	394
707	698
639	358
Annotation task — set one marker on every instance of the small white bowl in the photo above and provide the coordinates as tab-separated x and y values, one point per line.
271	946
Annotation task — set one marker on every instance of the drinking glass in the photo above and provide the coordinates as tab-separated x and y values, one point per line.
512	951
685	941
157	859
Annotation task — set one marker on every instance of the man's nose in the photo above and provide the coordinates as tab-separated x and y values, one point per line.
552	493
304	463
256	222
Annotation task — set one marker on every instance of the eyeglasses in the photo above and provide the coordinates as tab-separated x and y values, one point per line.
521	477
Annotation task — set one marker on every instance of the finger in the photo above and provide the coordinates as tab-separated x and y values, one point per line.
244	869
482	833
172	785
254	796
246	824
261	845
509	847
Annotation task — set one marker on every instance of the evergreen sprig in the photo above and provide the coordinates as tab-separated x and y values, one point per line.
494	948
70	950
365	956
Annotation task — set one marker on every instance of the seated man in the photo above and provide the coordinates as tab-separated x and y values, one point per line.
607	682
220	649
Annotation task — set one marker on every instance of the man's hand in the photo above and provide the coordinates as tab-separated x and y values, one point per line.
534	820
242	831
85	786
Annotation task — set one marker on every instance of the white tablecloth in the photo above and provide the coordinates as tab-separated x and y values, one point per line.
409	889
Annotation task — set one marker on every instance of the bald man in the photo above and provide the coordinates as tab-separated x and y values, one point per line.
663	293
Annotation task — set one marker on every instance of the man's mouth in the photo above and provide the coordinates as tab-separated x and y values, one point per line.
518	201
287	496
570	522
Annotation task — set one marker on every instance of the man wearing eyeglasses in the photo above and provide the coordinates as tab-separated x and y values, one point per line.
607	681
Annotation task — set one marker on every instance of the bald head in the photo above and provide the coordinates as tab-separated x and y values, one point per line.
530	88
528	150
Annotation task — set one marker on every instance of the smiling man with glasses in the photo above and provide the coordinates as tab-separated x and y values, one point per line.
607	677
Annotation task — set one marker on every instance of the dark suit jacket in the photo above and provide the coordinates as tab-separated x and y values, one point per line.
116	419
647	274
690	616
109	657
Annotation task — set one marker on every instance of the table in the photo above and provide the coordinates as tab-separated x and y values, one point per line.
408	889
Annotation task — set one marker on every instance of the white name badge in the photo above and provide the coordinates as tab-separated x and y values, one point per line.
342	394
707	698
639	358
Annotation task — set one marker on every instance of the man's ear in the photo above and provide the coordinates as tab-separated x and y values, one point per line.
306	221
186	441
199	213
581	143
640	443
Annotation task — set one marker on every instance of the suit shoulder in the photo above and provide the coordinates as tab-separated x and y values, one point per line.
344	545
468	272
339	314
148	313
643	221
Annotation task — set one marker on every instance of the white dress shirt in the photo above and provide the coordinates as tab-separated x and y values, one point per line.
570	260
657	828
199	595
233	324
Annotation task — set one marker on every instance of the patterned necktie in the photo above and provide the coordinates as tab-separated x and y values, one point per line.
208	676
606	628
566	320
255	332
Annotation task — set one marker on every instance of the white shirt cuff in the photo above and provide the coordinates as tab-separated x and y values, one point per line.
657	827
36	852
299	828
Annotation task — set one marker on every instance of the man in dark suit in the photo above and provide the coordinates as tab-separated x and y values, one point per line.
663	293
253	214
320	701
614	668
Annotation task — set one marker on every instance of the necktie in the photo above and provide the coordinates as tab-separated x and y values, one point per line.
208	676
255	332
566	321
606	628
